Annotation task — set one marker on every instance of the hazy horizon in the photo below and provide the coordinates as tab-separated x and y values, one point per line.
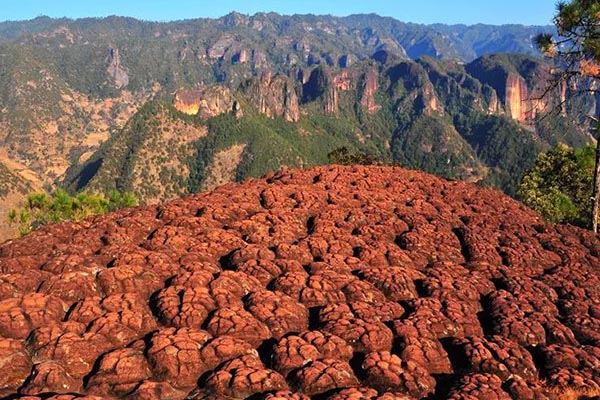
457	12
266	12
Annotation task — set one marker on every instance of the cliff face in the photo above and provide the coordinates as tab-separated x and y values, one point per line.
207	102
521	87
291	104
326	86
322	85
275	96
115	70
331	96
188	101
525	104
517	98
491	98
370	87
431	104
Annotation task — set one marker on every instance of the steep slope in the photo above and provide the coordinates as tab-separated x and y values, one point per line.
331	283
67	86
431	115
149	157
14	186
46	124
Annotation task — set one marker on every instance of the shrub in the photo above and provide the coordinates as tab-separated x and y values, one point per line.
40	209
559	185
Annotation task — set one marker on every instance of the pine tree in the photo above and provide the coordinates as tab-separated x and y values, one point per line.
576	49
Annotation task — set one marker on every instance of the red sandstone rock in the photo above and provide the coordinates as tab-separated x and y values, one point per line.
479	387
286	395
362	335
279	312
51	377
119	373
176	355
223	349
243	377
385	371
15	366
323	375
19	316
157	391
67	344
238	323
494	355
346	282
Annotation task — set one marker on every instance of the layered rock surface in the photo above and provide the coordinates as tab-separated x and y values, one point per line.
330	283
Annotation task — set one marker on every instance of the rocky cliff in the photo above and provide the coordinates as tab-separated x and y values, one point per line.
331	283
116	72
521	84
476	122
322	86
516	97
206	102
369	89
275	96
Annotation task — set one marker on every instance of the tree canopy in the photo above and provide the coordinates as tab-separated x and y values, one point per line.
576	50
343	156
577	47
559	185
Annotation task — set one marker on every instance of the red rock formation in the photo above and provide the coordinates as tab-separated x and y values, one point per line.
331	98
335	282
322	85
516	97
523	105
370	87
276	96
207	102
343	81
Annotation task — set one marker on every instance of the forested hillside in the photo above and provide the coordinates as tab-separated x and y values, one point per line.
165	109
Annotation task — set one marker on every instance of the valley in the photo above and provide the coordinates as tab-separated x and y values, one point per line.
167	109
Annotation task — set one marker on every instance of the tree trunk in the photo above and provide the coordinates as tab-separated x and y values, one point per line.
596	189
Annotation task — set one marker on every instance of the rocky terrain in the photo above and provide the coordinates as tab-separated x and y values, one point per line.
452	100
479	122
329	283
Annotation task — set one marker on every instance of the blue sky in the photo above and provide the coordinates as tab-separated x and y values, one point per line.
528	12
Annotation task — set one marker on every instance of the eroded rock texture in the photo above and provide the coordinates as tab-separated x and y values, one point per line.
332	283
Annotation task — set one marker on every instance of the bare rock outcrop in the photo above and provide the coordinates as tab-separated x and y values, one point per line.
207	102
369	89
275	96
115	70
329	283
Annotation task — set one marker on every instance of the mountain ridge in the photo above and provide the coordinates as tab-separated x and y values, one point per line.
429	114
68	86
46	20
